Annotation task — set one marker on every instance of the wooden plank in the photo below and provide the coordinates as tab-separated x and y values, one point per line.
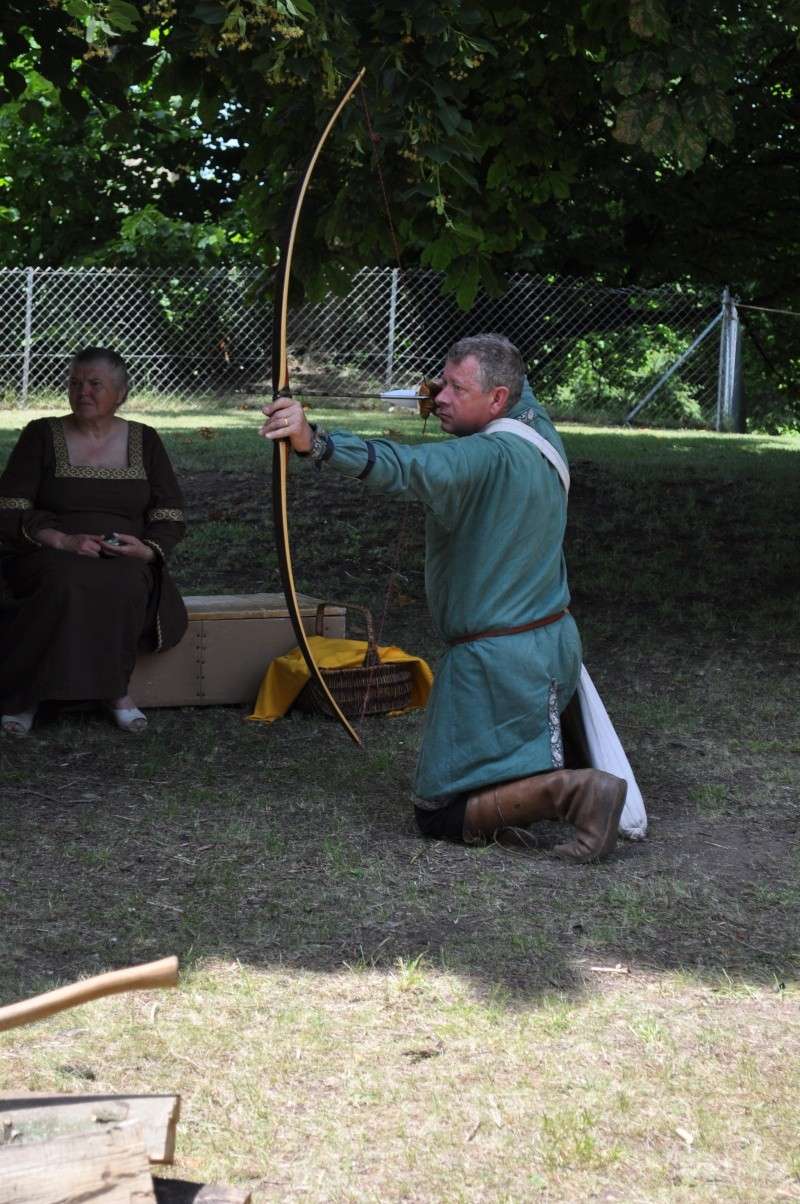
181	1191
109	1166
39	1116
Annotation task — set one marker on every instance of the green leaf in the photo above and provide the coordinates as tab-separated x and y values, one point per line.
491	283
720	122
439	254
710	111
690	146
123	16
465	178
630	122
661	128
77	8
628	76
437	152
97	31
600	14
466	284
449	117
302	10
648	19
559	185
467	234
498	173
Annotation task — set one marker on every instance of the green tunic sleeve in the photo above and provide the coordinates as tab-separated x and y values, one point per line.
439	475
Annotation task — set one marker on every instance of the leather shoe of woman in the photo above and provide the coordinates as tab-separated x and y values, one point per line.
128	719
18	725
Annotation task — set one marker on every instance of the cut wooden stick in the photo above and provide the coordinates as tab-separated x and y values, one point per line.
163	973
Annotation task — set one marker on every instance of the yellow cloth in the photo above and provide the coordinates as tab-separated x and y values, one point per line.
287	675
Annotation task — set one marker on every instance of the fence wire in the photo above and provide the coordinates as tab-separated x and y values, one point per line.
592	351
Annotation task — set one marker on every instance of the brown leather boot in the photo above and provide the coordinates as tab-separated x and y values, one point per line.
590	799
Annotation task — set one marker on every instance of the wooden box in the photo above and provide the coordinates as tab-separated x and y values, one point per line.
224	654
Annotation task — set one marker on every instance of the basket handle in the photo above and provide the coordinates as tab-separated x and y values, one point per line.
371	655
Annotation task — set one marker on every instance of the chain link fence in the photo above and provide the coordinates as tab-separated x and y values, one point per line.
770	367
593	352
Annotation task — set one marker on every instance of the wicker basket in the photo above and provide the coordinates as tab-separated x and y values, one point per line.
369	689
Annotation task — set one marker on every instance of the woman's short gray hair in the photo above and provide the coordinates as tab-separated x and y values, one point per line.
88	355
499	361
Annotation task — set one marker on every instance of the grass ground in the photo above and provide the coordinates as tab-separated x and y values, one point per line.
366	1016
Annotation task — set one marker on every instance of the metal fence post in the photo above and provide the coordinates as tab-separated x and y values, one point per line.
26	342
672	369
730	410
392	325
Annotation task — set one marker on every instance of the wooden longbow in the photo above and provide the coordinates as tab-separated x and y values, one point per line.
280	388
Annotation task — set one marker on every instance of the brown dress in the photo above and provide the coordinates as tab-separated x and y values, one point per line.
76	623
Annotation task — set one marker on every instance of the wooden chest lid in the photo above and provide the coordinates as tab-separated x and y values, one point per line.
247	606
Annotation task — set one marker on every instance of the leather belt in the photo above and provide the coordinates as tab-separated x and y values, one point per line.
485	635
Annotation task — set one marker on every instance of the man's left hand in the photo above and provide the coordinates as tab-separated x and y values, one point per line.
286	420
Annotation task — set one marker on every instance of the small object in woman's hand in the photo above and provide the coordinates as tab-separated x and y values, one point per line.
113	540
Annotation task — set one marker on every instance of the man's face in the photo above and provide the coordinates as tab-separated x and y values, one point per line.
462	405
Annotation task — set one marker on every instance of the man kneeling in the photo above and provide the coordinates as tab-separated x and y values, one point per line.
495	499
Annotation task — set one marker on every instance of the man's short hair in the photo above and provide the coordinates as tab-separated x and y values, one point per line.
87	355
499	361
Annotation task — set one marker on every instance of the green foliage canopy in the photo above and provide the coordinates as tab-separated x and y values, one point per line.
637	140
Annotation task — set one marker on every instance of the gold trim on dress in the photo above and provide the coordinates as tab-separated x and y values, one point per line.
165	516
96	472
15	503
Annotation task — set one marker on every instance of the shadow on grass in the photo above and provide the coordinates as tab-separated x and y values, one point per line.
209	837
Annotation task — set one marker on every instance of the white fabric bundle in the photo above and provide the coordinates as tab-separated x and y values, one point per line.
606	752
605	747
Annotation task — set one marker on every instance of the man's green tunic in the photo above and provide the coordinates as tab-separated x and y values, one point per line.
495	518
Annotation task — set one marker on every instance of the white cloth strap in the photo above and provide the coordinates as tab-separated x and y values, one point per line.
514	427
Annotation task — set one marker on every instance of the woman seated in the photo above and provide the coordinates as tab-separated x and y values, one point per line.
89	511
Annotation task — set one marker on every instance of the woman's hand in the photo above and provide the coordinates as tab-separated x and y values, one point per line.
286	420
81	545
128	547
